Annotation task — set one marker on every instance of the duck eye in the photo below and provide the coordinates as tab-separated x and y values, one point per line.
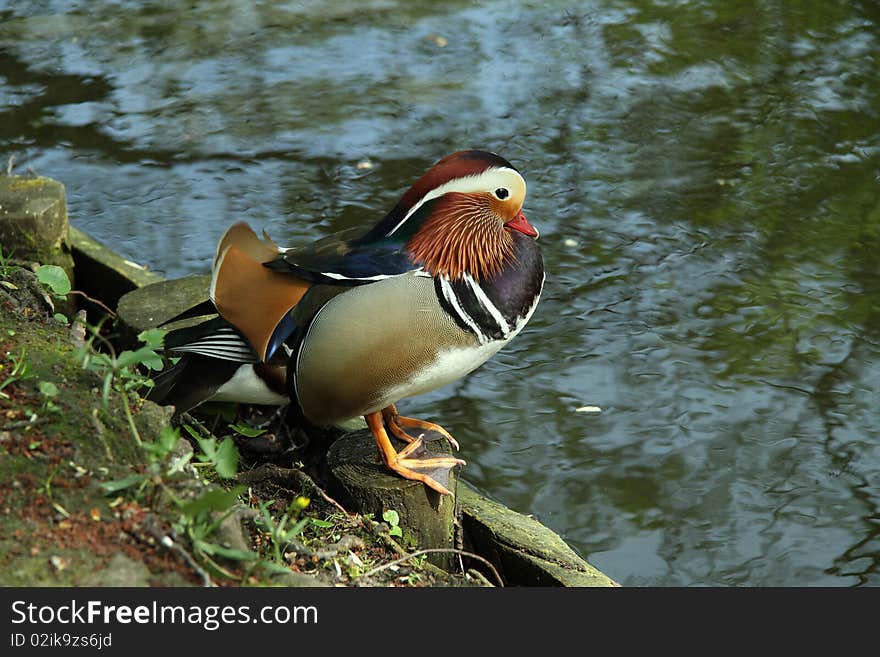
502	193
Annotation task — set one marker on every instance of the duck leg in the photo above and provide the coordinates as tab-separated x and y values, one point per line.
413	461
396	422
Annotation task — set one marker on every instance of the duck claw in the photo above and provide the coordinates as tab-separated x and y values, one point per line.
417	462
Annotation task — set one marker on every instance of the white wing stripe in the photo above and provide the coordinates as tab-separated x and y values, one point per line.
342	277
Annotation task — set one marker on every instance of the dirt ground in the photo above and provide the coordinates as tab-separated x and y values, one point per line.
65	518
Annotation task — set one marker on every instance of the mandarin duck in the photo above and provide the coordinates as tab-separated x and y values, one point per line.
356	322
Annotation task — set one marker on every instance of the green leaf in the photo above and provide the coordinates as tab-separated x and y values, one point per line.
142	356
110	487
273	567
47	388
179	463
108	381
229	553
154	338
246	431
297	529
216	499
166	442
168	438
61	318
55	278
192	432
153	361
391	517
127	359
208	447
323	524
226	460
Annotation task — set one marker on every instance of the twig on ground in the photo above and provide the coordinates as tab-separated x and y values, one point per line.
99	429
21	424
166	541
418	553
94	301
477	575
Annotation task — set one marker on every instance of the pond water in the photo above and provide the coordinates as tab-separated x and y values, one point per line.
705	176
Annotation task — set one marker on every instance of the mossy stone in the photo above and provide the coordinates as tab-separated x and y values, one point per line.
149	306
525	552
33	221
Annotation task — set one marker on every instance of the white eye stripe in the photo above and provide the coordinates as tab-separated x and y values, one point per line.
491	179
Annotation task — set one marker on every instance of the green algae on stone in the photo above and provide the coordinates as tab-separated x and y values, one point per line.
149	306
33	221
527	552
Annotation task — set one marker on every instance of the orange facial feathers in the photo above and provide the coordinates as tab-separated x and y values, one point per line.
464	235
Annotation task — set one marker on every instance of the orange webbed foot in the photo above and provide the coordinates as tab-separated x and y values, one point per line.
414	461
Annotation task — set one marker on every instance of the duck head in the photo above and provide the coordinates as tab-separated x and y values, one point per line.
458	218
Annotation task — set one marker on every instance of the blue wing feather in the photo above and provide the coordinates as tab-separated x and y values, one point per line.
338	262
